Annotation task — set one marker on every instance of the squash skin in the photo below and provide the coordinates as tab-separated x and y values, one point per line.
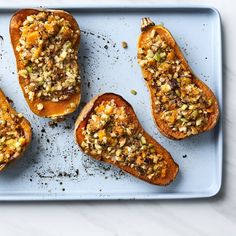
24	124
162	126
51	109
82	120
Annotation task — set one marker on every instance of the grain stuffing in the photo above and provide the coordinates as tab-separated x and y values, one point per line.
111	134
180	103
12	136
46	52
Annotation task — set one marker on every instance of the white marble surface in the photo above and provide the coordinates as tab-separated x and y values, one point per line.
214	216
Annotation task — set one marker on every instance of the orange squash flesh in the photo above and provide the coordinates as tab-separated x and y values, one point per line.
24	125
85	115
51	109
163	126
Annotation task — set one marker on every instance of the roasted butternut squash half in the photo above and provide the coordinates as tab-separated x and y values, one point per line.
15	133
108	130
182	104
46	43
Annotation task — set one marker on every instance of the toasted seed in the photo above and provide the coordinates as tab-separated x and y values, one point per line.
124	44
134	92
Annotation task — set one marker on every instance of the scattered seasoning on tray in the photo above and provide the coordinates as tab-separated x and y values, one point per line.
106	47
134	92
9	100
52	123
124	44
67	127
184	156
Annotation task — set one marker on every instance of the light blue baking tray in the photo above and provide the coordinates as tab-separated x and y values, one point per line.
54	169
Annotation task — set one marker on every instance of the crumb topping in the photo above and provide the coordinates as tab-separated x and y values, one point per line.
181	104
12	138
46	49
111	134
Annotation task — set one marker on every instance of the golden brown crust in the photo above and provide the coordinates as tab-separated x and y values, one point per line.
81	123
163	127
26	127
51	109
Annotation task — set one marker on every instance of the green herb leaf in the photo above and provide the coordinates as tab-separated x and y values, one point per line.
157	57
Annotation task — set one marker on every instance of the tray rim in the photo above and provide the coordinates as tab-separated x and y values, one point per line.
119	5
213	190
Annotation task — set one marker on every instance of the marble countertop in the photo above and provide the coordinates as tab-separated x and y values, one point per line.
213	216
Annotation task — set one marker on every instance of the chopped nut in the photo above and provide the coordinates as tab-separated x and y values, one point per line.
143	62
118	152
122	142
198	122
163	54
40	106
184	107
183	129
143	140
150	54
165	88
98	147
72	105
23	73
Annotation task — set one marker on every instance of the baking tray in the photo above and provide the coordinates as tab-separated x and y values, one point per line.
54	169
